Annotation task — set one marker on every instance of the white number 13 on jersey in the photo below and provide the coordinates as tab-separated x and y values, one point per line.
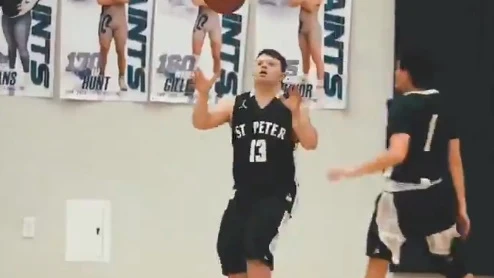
258	151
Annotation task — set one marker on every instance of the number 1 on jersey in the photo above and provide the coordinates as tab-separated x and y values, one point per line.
258	151
430	133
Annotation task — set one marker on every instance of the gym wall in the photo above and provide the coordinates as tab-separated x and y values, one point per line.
168	183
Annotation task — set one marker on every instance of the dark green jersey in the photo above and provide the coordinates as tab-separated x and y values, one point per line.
421	115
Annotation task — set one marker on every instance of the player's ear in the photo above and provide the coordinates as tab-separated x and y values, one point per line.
283	76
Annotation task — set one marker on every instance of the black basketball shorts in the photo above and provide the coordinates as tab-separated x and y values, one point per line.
249	230
420	213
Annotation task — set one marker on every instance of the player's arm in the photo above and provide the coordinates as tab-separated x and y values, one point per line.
305	132
311	5
199	3
456	169
204	119
295	3
106	2
394	155
400	123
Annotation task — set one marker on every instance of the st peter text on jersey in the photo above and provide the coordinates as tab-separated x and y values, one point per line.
262	127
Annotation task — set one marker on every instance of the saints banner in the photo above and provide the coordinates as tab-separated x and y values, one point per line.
188	35
105	49
337	22
307	41
27	48
301	41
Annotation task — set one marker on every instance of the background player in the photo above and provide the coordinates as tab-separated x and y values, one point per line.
207	22
113	25
422	145
264	128
16	27
310	39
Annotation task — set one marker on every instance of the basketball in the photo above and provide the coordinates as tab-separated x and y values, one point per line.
224	6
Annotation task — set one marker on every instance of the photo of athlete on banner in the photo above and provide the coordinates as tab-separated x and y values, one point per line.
106	58
310	39
207	23
202	38
300	20
27	50
113	27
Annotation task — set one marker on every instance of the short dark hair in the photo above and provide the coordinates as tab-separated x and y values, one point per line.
276	55
420	67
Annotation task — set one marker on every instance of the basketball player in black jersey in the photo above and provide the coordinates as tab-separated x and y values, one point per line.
264	128
422	144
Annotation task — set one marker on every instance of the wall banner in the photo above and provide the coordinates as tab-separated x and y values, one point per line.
27	49
297	33
106	55
308	42
183	33
337	27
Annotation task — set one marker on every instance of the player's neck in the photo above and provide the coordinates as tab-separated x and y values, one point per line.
266	91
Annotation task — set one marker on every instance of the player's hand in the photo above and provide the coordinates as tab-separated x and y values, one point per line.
202	84
463	223
294	100
338	174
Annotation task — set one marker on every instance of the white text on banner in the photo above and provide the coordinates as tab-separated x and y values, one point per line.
106	55
186	31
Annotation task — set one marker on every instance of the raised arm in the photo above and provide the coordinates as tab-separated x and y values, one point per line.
304	130
204	119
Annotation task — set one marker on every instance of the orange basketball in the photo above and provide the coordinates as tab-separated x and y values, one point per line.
224	6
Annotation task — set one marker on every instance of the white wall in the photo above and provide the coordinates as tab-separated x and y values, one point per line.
169	183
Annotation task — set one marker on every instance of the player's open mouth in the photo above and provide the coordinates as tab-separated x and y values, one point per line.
262	73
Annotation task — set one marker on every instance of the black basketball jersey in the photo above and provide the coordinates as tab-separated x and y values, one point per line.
263	146
421	115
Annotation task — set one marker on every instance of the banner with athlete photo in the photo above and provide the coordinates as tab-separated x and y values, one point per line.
27	48
300	38
105	50
186	31
306	42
